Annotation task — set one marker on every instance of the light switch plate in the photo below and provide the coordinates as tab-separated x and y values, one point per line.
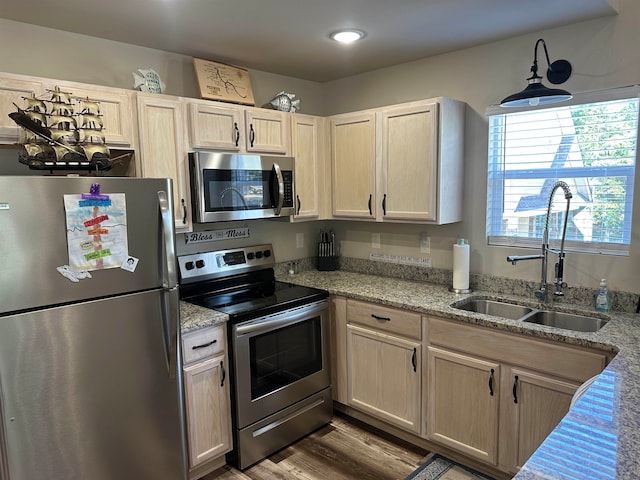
425	243
299	240
375	240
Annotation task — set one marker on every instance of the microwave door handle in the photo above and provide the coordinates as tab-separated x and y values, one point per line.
280	200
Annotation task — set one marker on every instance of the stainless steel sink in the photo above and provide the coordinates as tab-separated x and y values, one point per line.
567	321
495	308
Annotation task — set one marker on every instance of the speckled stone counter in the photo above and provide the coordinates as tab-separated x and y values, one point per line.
600	436
193	317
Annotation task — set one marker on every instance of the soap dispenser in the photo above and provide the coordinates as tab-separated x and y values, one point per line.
602	299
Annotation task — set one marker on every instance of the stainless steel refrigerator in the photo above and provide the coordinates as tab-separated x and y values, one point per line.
90	370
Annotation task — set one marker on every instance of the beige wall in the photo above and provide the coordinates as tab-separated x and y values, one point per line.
604	53
43	52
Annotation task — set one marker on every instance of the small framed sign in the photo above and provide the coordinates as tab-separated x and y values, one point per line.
222	82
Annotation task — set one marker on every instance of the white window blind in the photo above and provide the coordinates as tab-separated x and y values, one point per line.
591	144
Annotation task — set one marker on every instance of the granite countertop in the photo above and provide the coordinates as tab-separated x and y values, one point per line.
193	317
600	436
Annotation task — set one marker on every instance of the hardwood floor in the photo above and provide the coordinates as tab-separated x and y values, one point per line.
343	450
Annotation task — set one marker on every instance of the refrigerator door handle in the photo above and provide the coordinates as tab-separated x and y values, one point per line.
169	273
170	297
170	323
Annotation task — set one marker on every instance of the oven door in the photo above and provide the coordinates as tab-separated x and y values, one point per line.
279	360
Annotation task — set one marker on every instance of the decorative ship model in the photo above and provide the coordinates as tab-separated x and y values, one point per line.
62	132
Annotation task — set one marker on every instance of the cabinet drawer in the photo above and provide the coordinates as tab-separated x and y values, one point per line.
386	319
203	343
563	361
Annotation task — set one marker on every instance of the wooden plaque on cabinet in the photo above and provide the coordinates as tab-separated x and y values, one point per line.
222	82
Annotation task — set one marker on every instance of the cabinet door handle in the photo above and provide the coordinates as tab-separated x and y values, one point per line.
236	132
252	134
515	390
370	211
384	204
413	360
382	319
299	204
491	382
184	212
204	345
223	373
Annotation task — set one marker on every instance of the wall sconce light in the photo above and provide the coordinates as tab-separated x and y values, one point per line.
536	93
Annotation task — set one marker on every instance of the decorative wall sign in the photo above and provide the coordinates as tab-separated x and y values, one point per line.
222	82
216	235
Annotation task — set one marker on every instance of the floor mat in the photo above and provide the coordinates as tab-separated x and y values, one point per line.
438	467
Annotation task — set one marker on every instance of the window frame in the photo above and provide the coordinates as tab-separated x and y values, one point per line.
497	175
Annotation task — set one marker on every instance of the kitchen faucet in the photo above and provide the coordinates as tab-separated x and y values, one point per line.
559	267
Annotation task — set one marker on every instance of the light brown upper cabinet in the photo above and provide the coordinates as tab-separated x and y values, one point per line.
12	90
406	161
116	111
309	147
353	162
237	129
162	149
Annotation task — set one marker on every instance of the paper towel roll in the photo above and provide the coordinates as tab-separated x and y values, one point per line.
460	267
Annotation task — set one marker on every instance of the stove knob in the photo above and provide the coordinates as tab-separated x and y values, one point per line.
189	265
250	256
199	263
258	254
267	253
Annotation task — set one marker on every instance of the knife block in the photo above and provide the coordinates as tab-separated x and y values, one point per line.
328	263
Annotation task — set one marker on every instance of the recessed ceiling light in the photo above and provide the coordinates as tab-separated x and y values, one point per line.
347	36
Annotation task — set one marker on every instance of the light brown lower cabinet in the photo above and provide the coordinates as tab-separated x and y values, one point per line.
496	396
463	403
383	363
206	388
384	376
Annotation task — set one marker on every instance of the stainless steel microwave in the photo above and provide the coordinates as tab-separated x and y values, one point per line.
227	186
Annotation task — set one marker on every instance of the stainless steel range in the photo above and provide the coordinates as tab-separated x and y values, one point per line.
278	343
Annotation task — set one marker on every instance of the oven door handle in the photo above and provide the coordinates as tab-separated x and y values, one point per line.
280	319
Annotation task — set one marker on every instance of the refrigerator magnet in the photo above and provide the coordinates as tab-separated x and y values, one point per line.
130	264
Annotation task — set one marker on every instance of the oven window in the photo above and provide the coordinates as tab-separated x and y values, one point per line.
282	356
230	190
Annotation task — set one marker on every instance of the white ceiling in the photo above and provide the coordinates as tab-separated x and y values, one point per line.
290	37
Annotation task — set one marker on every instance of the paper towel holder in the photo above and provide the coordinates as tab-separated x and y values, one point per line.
460	290
460	241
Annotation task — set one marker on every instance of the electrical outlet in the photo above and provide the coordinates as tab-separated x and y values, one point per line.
425	243
299	240
375	240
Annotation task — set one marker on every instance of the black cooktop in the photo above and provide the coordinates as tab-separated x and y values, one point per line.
247	296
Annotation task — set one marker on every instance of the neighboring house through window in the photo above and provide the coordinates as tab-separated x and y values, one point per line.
591	144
